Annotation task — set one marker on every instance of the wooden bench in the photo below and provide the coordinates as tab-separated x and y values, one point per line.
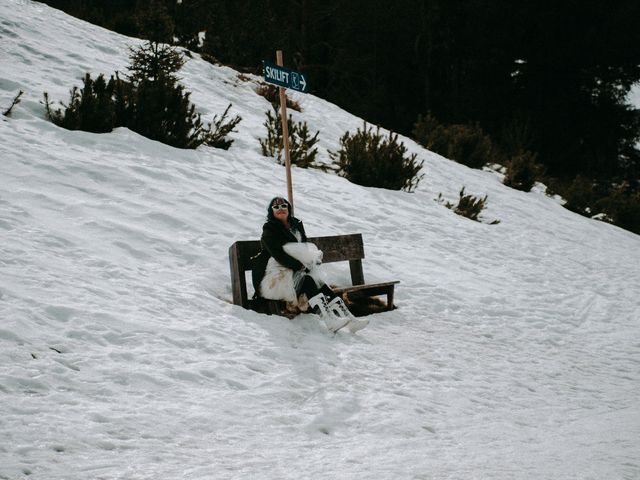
337	248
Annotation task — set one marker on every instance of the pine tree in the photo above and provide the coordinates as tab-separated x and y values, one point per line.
160	108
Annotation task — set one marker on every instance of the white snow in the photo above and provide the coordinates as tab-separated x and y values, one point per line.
633	98
514	353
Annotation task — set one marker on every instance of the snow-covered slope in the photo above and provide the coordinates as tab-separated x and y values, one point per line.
514	353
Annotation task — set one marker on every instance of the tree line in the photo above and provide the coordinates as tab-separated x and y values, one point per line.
549	78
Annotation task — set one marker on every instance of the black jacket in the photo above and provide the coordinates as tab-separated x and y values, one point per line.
274	236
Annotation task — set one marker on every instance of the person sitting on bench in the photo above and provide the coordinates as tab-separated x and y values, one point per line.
287	268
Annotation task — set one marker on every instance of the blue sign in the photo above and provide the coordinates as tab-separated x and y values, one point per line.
284	77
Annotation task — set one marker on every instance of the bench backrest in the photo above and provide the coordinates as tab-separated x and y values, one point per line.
335	248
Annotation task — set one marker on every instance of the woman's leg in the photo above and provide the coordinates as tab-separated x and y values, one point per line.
328	292
310	288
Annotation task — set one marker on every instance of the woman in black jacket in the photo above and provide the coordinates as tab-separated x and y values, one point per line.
280	229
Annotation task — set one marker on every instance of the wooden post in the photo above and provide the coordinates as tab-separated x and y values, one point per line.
285	131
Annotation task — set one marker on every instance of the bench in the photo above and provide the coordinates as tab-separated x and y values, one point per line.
336	248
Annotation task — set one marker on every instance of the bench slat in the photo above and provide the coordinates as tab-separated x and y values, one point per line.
370	286
368	290
340	247
357	291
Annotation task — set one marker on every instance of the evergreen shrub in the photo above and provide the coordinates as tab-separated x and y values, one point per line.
617	203
368	158
468	206
151	103
523	171
581	195
466	144
218	131
160	108
92	108
301	144
164	112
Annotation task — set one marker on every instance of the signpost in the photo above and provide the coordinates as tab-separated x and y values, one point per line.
285	78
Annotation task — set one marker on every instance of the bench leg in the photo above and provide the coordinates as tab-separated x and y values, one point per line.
273	306
390	299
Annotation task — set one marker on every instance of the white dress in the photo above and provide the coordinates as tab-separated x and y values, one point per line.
282	283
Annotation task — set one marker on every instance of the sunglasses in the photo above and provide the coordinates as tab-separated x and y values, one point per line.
282	206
